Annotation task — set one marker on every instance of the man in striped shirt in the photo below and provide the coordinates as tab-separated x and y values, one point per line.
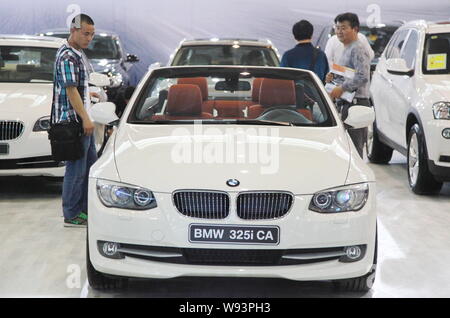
71	99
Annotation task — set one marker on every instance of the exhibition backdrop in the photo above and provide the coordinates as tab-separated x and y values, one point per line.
153	29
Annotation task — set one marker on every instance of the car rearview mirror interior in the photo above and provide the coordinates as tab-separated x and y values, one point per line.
360	117
132	58
99	80
398	67
104	113
233	86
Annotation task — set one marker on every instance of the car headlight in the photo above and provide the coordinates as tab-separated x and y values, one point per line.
343	199
441	110
116	79
117	195
43	124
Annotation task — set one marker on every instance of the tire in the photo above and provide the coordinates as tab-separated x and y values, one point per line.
377	152
363	283
100	281
420	178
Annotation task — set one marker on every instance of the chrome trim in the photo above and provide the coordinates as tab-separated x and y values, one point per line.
314	255
268	214
147	253
214	203
11	129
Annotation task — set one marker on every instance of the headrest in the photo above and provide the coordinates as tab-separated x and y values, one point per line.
184	99
275	92
256	89
199	81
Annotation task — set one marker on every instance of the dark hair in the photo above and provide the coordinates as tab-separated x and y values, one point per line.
79	19
303	30
350	17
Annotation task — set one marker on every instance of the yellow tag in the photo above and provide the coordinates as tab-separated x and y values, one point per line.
437	62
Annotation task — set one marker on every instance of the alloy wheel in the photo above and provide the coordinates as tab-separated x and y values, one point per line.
413	159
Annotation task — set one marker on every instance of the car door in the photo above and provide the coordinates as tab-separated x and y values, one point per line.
384	95
403	89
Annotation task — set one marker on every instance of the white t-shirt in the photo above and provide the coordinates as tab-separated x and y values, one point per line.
335	48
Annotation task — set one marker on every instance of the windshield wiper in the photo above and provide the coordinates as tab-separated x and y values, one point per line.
258	122
214	122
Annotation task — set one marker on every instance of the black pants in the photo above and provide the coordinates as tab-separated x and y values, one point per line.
358	136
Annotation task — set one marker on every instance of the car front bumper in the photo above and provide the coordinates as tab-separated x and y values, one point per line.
164	226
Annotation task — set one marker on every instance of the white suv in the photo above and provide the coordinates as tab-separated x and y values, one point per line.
411	95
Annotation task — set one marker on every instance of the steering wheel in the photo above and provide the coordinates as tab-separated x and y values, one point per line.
283	113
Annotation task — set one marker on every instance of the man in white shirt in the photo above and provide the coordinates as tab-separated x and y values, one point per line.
334	48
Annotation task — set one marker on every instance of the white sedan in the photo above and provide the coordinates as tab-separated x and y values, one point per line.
26	92
261	182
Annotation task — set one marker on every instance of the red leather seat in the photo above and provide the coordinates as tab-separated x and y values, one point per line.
184	101
276	92
207	105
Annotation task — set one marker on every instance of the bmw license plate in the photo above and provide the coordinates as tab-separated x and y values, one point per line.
4	149
235	234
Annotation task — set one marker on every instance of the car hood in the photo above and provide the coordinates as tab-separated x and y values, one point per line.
105	65
437	87
22	100
296	159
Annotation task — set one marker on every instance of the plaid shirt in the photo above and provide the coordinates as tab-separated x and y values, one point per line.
70	70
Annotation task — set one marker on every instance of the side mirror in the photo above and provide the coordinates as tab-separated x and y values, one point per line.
132	58
360	117
104	113
154	65
99	80
398	67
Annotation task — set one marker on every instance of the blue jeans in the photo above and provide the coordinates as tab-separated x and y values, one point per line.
75	185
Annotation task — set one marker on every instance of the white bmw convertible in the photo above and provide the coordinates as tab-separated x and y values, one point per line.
231	171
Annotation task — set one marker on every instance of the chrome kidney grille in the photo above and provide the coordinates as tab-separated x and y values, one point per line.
10	130
263	205
202	204
216	204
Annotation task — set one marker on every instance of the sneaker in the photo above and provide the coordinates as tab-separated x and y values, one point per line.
76	222
83	216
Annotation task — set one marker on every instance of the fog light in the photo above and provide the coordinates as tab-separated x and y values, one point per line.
353	252
446	133
110	250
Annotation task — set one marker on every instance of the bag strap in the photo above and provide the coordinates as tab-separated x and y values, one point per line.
315	54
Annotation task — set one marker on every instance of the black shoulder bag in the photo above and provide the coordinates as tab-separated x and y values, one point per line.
66	140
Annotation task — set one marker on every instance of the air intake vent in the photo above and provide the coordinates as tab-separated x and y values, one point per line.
10	130
263	205
202	204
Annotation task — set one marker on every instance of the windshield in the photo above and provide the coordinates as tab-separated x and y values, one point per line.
26	64
436	53
231	95
226	55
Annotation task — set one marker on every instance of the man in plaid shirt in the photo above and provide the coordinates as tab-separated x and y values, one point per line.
71	99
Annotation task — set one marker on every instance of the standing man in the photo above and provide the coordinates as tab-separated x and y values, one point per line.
71	99
356	57
304	54
335	48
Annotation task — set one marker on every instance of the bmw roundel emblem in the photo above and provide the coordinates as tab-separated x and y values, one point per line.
233	182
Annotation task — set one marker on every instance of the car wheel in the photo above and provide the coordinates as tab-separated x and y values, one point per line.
420	178
377	152
362	283
101	281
